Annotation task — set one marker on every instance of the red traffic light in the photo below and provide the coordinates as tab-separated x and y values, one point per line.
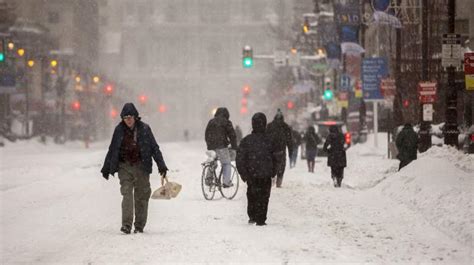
290	104
244	101
162	108
109	89
246	90
243	110
113	113
347	138
76	105
406	103
143	99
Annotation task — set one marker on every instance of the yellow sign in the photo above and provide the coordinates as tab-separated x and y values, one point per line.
469	82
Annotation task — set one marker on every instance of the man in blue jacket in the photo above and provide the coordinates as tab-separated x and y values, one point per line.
130	152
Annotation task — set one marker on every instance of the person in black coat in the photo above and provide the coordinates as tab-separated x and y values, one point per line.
334	146
280	133
312	140
219	134
296	140
256	165
407	145
130	154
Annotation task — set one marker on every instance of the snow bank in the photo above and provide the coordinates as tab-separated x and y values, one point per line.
439	185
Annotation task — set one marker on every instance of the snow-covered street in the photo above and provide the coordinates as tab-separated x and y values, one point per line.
56	208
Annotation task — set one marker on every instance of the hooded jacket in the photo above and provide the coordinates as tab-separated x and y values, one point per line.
334	146
147	145
280	133
407	144
311	139
220	131
255	156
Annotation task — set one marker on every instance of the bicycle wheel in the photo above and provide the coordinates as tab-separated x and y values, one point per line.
230	192
208	184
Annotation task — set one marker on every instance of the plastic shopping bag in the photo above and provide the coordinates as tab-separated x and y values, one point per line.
167	190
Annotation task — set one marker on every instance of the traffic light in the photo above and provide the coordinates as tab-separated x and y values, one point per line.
53	63
113	113
328	95
162	108
96	79
109	89
247	57
406	103
76	105
143	99
246	90
21	52
2	51
243	110
290	105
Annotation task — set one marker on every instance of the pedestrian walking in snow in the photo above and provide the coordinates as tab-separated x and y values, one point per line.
311	140
280	133
296	140
130	154
219	134
334	146
256	165
407	145
238	134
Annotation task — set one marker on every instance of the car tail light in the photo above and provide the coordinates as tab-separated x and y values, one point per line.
347	138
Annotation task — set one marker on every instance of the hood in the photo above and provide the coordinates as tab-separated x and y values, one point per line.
311	129
279	116
222	112
129	109
333	129
259	122
407	126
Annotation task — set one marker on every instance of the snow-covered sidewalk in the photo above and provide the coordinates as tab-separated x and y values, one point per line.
56	208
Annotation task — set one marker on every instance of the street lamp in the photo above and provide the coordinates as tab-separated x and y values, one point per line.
21	52
31	63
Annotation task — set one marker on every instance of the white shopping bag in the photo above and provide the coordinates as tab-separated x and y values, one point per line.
167	190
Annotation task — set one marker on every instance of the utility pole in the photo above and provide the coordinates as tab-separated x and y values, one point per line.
451	131
425	126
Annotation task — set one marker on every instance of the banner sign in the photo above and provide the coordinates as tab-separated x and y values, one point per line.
469	70
373	71
427	92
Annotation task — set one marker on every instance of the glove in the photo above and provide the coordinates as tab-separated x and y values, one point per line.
163	172
105	175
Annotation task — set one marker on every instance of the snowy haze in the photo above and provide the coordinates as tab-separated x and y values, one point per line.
186	55
56	208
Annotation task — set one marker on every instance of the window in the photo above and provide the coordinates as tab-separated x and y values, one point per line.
53	17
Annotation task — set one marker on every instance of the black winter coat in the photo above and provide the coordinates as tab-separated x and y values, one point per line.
296	138
334	146
220	131
407	144
311	139
280	134
255	156
146	142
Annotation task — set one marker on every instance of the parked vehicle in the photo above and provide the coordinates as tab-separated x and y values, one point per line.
322	129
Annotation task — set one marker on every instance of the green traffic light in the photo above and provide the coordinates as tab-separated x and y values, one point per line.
248	62
2	57
327	95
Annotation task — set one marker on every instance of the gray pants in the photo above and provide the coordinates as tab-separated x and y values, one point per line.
224	156
136	191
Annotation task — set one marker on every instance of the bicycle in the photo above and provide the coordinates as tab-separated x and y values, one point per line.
211	181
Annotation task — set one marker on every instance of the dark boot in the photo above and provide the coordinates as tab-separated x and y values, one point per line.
309	166
312	166
126	229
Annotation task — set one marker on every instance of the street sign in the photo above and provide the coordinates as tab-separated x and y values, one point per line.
294	59
451	50
279	58
427	92
469	70
373	71
428	112
345	82
388	87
